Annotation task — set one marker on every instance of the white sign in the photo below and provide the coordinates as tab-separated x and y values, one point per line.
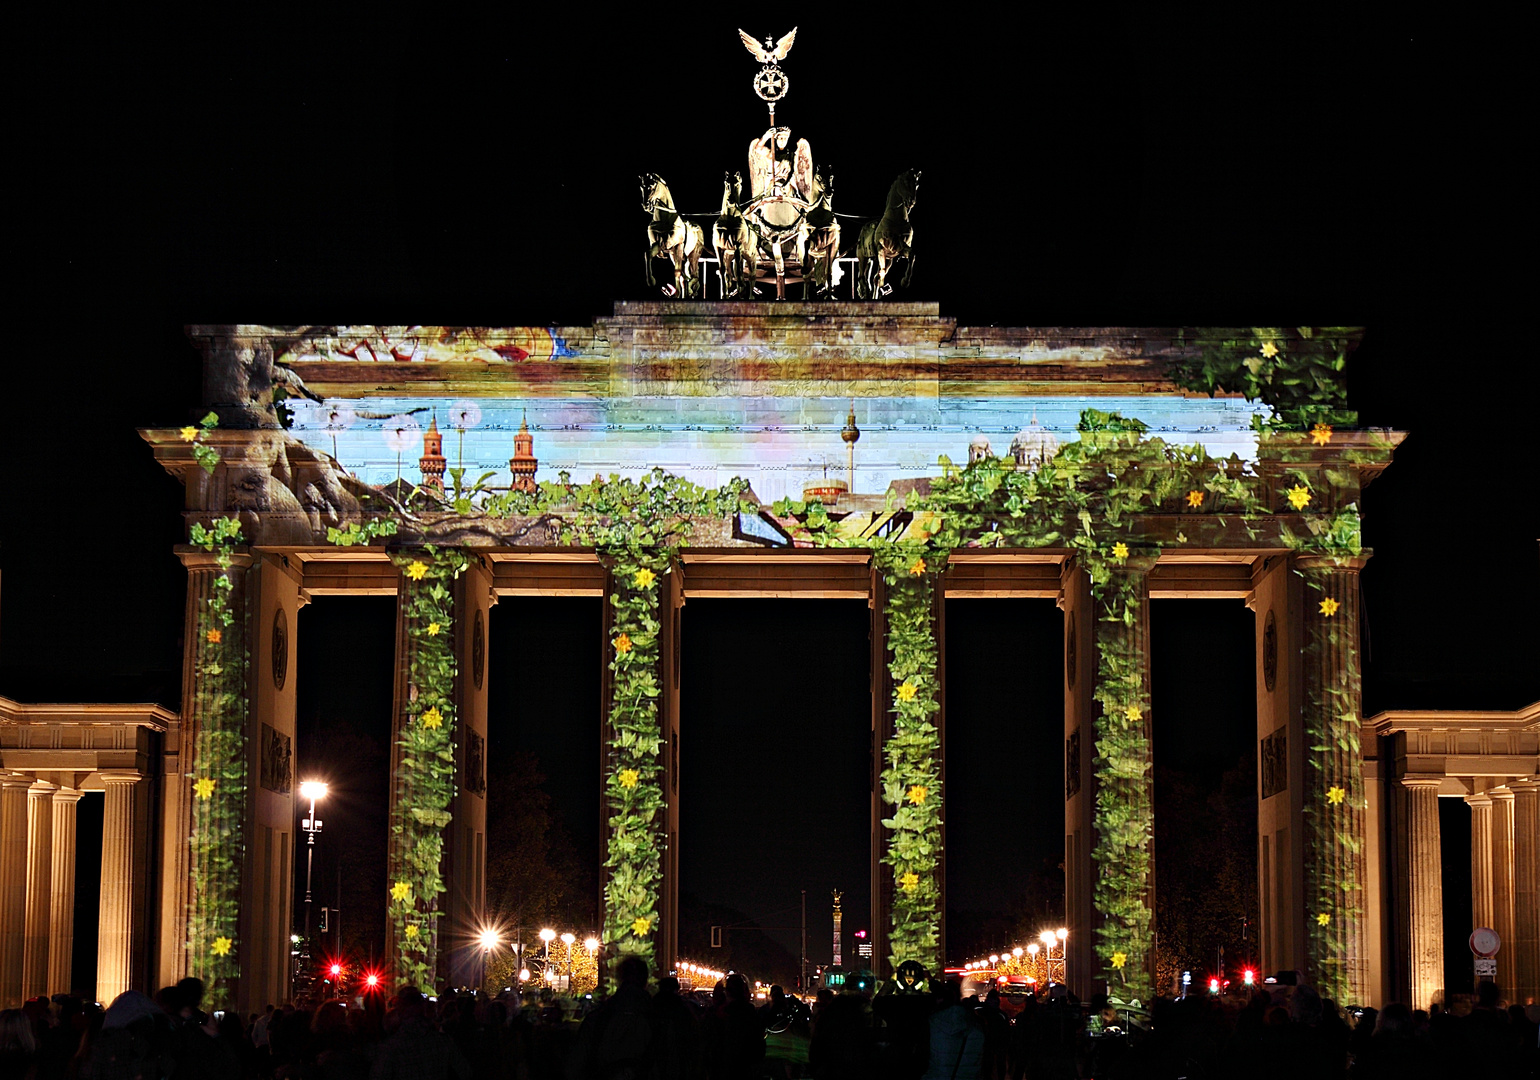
1486	967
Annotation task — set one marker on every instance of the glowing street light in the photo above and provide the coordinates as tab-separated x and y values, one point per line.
488	939
313	790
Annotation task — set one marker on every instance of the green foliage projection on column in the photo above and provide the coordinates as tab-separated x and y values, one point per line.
1299	371
1335	803
634	525
425	768
911	778
219	776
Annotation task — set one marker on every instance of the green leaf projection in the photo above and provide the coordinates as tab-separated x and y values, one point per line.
911	775
1296	370
425	759
219	777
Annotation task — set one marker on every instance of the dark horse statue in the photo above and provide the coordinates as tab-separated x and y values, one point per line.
882	243
671	237
734	241
821	238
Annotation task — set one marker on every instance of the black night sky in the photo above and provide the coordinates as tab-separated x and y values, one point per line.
1217	167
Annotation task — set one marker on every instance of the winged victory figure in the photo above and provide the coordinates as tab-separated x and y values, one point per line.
765	54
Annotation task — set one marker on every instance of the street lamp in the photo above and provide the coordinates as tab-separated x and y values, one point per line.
312	790
1063	954
547	935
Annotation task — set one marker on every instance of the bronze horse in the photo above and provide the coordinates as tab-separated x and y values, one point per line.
734	241
882	243
671	237
821	236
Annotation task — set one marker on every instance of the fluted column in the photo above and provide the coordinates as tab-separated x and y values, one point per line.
1526	892
34	968
1480	858
13	884
1502	882
1334	801
61	916
1425	893
114	938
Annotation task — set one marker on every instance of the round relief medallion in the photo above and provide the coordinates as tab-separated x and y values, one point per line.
280	648
478	649
1270	652
1069	650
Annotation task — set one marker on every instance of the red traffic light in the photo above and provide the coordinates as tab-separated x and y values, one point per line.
1213	986
372	981
1251	976
336	970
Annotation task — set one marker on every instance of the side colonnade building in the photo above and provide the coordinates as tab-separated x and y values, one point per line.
773	393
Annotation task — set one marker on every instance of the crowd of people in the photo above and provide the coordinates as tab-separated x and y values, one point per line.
642	1032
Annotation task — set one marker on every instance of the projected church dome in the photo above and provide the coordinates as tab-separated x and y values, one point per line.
1033	445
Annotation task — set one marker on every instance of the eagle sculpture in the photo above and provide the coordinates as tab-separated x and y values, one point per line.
766	54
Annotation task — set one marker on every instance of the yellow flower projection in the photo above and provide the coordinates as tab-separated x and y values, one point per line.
1195	498
412	931
204	788
1320	434
918	568
907	690
221	946
1329	606
1299	497
214	637
1120	550
401	890
417	570
629	777
434	629
623	644
644	578
909	882
433	719
1335	795
1323	919
1269	350
641	927
189	433
1119	959
1133	712
917	793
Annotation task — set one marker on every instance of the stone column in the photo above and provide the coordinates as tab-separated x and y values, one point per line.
34	968
1502	882
1334	804
114	948
1425	929
61	918
1525	956
13	885
1480	858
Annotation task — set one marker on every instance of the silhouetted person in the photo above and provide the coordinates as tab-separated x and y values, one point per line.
615	1040
676	1035
416	1050
956	1039
740	1053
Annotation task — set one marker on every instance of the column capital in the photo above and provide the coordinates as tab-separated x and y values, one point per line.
1480	800
15	780
41	788
1501	794
1345	563
1422	781
196	558
67	795
120	776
